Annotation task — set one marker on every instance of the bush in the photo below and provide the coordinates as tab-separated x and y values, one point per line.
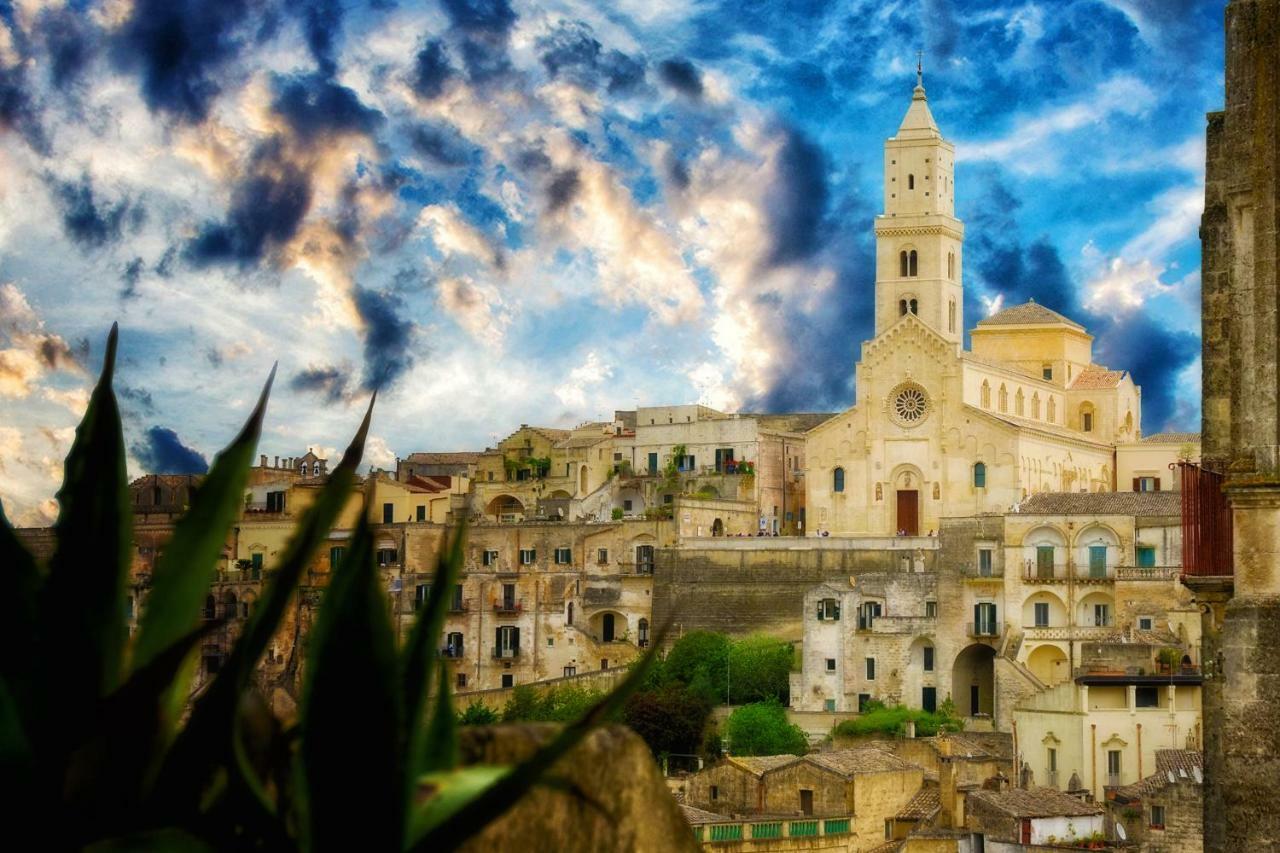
478	714
762	728
616	515
760	669
878	718
553	705
670	719
698	660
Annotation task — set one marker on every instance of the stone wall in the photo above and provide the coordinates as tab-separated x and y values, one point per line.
737	790
832	793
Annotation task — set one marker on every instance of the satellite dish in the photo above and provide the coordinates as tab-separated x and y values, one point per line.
1120	833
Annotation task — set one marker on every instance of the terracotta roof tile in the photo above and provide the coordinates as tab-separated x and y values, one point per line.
1036	802
1027	314
463	457
1096	377
696	816
848	762
759	764
1172	438
1102	503
925	804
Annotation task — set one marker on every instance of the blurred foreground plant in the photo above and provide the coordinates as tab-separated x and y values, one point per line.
95	749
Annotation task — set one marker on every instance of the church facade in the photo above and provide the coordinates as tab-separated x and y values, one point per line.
939	431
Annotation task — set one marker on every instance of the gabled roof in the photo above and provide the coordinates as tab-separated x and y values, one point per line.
918	123
1102	503
697	816
1172	766
1095	377
867	759
1035	802
925	804
760	764
464	457
1028	314
1172	438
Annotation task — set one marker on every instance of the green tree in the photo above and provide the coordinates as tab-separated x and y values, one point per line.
670	719
478	714
760	669
762	728
699	660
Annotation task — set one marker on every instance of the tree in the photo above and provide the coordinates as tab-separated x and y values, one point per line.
698	660
762	728
477	714
760	669
670	719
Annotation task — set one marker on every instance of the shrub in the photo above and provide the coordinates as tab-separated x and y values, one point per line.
478	714
616	515
760	669
877	718
762	728
670	719
96	745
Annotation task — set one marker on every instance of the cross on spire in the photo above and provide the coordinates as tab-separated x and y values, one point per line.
919	67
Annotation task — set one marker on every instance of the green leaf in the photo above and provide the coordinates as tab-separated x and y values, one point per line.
447	830
424	641
441	746
449	792
187	567
350	752
204	744
85	593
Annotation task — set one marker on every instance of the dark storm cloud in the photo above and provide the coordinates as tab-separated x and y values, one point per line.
431	70
442	144
329	381
798	200
482	29
18	111
572	52
480	16
681	75
562	190
1155	356
136	397
677	172
314	106
386	337
68	40
322	28
267	207
179	48
130	277
88	220
162	452
942	28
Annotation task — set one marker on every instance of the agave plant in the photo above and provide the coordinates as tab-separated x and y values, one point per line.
101	747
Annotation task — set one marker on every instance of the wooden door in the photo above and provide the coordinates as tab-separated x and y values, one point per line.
909	511
806	802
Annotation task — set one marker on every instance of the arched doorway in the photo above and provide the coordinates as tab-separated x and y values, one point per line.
606	628
973	680
717	528
1049	664
906	518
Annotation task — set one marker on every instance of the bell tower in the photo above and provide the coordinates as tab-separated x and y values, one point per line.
918	238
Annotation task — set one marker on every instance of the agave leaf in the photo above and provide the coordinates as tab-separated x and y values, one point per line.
186	569
20	586
350	753
446	829
85	592
441	746
449	791
420	653
204	744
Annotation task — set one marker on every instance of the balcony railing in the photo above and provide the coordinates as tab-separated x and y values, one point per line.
979	573
1113	780
505	653
983	629
1147	573
770	828
454	652
506	607
1051	778
1062	574
1206	523
459	605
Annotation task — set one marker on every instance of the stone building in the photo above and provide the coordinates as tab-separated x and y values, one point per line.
1234	570
939	431
1033	816
1164	813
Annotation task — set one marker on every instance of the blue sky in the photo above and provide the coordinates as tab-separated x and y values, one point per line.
502	212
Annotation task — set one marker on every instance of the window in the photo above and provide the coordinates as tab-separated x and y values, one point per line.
984	619
508	680
1052	410
422	512
1046	372
335	556
508	596
460	680
951	274
644	559
980	475
902	307
986	394
1113	767
386	556
831	664
642	630
653	463
1097	561
828	610
1145	623
420	594
255	561
1041	609
867	613
1004	399
837	480
715	792
604	664
388	513
911	264
564	556
490	558
931	610
667	498
568	617
1035	405
457	604
1086	421
551	641
626	506
863	700
602	555
275	501
828	704
1157	817
951	316
453	645
902	269
928	658
528	556
1044	561
1146	697
911	182
928	699
1018	407
984	562
570	670
871	669
1146	484
913	306
506	642
1101	615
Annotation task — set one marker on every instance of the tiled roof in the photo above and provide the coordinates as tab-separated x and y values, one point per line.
1027	314
758	764
1036	802
1102	503
887	847
925	804
1172	438
1172	766
1181	761
868	759
1095	377
462	457
168	480
697	816
964	747
581	441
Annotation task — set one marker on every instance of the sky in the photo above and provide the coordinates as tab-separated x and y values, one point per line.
501	212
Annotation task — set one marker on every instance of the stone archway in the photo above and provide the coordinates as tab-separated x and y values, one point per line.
717	528
973	680
1049	664
908	486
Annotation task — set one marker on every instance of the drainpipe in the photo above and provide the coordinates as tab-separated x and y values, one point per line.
1093	752
1140	776
1017	756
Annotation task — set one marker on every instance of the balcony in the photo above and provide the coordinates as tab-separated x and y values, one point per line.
506	607
1206	524
1065	574
984	629
452	652
976	573
1068	632
726	830
1051	778
1113	780
459	605
500	653
1148	573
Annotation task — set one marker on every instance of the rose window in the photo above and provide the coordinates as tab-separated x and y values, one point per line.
909	405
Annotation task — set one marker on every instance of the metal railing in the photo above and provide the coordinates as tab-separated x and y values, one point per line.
505	653
770	828
1206	523
508	607
454	652
1051	778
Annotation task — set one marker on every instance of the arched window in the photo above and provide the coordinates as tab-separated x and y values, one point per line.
643	630
951	265
1052	410
210	607
902	263
914	307
1035	405
979	475
913	270
911	182
837	480
902	307
1004	399
951	316
986	394
1017	403
1086	417
568	617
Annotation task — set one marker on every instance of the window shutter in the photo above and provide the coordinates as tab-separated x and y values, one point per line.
458	646
515	640
497	638
977	615
820	616
1137	484
1157	484
837	616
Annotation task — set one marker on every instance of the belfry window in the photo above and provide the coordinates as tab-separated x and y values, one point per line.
913	306
1004	399
951	316
986	394
911	182
902	307
837	480
979	475
951	265
914	271
902	264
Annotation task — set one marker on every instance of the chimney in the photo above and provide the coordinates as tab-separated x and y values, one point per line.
277	465
262	460
947	790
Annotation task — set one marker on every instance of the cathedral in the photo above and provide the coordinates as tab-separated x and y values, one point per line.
938	430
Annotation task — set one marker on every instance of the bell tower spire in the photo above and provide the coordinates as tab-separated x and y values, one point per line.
918	237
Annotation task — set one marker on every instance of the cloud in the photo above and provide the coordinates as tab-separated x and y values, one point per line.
1155	356
69	43
87	220
322	28
314	106
387	332
431	69
162	452
1124	285
442	144
455	237
584	378
330	381
477	308
27	351
570	51
681	75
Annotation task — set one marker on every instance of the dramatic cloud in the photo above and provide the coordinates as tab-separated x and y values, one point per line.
387	333
162	452
332	383
681	75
